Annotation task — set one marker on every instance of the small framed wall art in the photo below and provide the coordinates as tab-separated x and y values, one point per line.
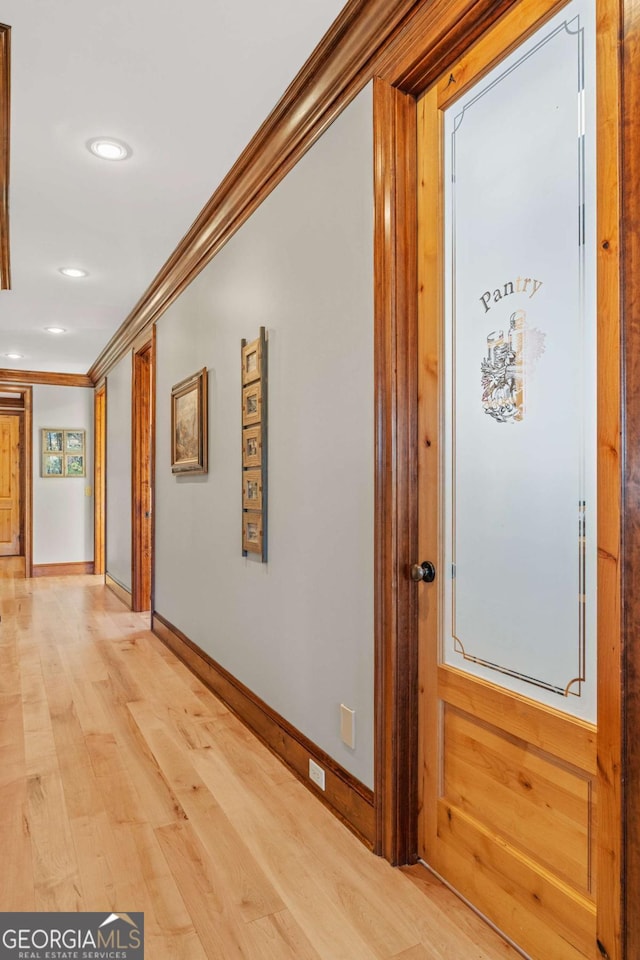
254	446
189	441
251	361
252	490
252	404
63	453
252	533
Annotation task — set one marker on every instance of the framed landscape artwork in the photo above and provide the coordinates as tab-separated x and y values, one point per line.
63	453
189	424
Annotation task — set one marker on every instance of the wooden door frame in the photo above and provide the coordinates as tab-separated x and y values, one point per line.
143	395
437	35
99	477
26	471
428	46
630	557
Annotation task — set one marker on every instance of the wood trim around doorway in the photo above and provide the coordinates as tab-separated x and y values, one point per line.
396	474
442	30
142	471
28	480
630	291
99	478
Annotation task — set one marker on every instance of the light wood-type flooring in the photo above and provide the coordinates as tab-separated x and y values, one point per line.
125	785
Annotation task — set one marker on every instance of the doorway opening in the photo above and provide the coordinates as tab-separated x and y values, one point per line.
99	477
143	458
15	481
446	736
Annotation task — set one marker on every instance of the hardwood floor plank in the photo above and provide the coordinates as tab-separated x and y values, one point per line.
11	738
118	795
92	838
17	887
57	883
279	937
41	754
161	804
475	934
418	952
74	762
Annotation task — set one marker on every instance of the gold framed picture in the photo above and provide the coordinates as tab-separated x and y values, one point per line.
52	465
52	441
252	447
74	465
189	441
252	404
63	453
252	532
74	441
251	361
252	490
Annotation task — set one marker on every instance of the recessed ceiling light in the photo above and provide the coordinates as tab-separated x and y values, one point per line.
108	149
55	329
15	356
72	272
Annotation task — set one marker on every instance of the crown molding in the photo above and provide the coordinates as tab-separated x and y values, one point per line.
40	376
5	116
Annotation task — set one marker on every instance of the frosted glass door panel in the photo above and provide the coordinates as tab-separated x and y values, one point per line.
520	371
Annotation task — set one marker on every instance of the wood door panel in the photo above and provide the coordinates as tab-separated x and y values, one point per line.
5	525
540	726
533	904
9	485
531	800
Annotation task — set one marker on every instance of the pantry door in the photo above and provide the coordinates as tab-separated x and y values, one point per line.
518	481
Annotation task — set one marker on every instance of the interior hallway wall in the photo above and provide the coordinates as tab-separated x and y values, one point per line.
298	630
62	511
118	523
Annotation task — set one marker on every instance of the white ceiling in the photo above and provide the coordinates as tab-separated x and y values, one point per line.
186	85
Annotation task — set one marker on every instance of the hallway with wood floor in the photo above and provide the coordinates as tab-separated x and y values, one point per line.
125	785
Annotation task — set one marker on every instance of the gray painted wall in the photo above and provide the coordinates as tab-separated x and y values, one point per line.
298	631
119	472
62	511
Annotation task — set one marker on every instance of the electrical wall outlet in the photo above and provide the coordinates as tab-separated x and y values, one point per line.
348	726
316	774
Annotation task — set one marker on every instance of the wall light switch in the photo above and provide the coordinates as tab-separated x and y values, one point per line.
88	491
348	726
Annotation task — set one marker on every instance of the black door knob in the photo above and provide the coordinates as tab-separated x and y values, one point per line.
425	572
